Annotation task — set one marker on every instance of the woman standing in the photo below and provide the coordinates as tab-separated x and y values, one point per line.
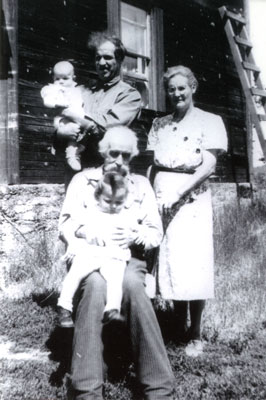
185	145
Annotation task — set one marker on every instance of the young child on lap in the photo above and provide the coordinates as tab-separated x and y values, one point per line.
106	256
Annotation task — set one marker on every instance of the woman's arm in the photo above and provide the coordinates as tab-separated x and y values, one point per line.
206	169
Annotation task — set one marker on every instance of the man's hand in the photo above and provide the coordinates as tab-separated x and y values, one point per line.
69	131
69	254
84	123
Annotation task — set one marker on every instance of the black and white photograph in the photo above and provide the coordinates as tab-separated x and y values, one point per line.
135	128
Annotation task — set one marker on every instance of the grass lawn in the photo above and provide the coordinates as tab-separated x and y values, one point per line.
35	355
36	365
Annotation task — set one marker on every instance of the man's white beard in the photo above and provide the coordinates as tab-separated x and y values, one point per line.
123	170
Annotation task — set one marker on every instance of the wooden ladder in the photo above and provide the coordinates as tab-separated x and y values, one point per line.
249	73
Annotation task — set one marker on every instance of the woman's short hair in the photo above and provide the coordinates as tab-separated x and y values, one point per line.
180	70
98	38
123	135
111	182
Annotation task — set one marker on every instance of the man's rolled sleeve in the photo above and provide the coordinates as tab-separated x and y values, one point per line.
72	203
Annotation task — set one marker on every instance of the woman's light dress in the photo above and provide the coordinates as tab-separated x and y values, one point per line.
186	253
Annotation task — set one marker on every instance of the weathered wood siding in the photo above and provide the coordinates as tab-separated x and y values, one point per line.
50	31
9	143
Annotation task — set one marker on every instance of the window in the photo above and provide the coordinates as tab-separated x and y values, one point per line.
135	34
144	63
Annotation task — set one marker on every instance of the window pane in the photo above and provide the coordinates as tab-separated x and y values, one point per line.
133	14
130	64
135	34
134	28
137	65
134	37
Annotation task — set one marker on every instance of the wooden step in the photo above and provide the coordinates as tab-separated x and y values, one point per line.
243	42
251	67
235	17
258	92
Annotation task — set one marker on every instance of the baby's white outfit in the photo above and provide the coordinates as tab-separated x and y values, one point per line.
55	95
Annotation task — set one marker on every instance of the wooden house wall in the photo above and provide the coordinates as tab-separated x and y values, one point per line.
49	31
54	30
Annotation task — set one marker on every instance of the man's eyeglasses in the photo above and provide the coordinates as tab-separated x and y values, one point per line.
115	154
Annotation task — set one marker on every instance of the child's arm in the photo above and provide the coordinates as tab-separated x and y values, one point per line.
48	97
53	96
91	234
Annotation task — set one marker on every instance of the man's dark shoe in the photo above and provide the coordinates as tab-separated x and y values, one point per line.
112	316
64	318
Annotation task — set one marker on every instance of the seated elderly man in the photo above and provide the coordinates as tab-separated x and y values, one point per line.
118	147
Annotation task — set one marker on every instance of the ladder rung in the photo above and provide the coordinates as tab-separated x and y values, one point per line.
251	67
258	92
243	42
235	17
237	36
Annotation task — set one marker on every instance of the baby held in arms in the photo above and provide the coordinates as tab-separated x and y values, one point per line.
65	93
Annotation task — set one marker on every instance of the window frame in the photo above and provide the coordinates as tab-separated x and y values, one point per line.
156	99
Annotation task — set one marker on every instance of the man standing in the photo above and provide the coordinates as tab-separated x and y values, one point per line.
118	147
110	102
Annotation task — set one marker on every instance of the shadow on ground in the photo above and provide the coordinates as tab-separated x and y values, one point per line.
60	346
173	323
